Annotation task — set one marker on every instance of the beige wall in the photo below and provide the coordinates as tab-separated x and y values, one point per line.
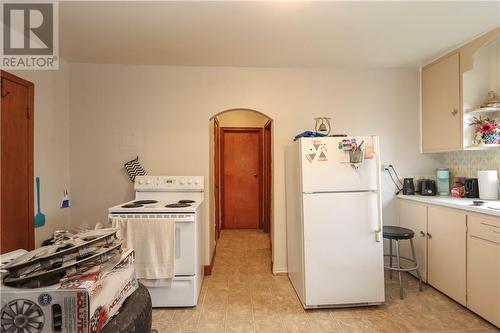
483	77
209	239
478	81
162	114
51	147
242	118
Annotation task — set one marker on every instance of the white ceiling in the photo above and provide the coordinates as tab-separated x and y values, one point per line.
269	34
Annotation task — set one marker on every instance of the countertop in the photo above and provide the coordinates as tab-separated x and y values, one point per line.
457	203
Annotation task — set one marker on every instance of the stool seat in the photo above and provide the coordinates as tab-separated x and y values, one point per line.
394	232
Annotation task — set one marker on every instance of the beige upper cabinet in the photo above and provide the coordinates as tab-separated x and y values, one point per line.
452	88
446	268
441	117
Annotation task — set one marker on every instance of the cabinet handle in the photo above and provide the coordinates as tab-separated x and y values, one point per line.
454	112
422	233
490	225
429	235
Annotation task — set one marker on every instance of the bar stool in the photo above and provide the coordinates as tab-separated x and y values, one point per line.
398	233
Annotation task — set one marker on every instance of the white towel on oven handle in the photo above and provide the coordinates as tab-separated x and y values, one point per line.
153	240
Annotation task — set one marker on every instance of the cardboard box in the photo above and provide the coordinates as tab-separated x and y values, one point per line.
80	305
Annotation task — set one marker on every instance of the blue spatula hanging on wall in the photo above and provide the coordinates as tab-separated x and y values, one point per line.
39	217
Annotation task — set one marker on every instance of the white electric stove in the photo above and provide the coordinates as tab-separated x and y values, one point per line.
181	198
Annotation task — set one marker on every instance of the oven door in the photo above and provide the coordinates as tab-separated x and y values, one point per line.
185	255
185	247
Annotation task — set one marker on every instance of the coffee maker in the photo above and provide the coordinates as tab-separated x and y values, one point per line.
471	187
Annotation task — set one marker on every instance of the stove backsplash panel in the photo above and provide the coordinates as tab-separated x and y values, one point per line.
468	163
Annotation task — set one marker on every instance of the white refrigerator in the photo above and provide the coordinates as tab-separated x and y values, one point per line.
334	222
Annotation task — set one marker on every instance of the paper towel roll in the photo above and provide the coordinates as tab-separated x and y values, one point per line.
488	184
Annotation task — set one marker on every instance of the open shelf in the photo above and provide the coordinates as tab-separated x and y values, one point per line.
482	147
483	110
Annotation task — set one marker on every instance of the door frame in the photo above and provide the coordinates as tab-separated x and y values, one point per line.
217	206
30	181
267	175
223	131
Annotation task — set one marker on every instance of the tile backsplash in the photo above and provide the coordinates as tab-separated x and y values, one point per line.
467	163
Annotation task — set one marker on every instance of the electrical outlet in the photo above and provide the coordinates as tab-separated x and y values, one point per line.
385	166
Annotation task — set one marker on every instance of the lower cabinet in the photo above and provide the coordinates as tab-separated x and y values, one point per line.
447	252
483	270
414	216
459	253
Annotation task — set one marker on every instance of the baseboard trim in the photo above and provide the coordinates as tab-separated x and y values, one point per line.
208	268
280	271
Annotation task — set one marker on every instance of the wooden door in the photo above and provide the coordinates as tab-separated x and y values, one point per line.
241	164
414	216
441	114
16	178
446	252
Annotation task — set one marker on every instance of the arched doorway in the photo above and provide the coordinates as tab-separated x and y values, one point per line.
241	170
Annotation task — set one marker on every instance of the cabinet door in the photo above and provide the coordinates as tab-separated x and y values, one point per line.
483	267
446	252
414	216
441	116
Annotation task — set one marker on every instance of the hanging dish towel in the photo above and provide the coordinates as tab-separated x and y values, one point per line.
153	241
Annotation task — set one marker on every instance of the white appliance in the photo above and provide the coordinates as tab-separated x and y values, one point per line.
181	198
488	184
334	223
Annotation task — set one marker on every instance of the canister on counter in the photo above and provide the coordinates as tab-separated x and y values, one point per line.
443	181
458	188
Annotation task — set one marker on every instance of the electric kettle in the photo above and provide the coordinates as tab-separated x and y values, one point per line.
408	186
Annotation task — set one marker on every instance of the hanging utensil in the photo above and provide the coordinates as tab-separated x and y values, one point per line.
39	217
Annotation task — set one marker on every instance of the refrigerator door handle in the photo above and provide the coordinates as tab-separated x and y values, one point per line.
378	232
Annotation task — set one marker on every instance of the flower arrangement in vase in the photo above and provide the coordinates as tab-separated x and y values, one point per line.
487	130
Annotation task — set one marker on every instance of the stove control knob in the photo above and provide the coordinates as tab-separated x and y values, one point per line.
190	181
182	182
196	182
148	181
141	181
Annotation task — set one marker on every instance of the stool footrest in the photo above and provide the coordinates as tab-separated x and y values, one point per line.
401	269
401	257
395	268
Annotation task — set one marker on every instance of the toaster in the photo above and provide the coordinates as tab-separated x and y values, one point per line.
427	187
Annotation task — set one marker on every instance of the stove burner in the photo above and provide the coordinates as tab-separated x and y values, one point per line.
178	205
144	202
186	201
132	205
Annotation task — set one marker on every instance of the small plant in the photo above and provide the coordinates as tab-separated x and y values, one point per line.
487	130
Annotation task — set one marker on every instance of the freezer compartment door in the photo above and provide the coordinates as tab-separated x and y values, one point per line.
344	262
326	168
